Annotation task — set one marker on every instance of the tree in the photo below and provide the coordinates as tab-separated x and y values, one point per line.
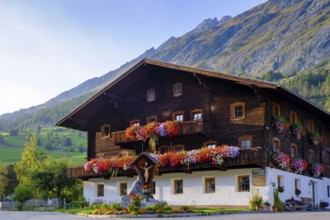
67	142
12	180
3	180
52	178
13	132
31	160
1	139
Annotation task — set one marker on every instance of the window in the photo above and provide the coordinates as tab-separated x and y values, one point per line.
311	156
100	190
328	187
244	183
280	182
209	184
135	122
178	148
276	110
122	189
310	125
196	114
276	145
177	89
297	184
237	110
105	131
151	118
178	186
210	144
294	151
153	188
163	149
293	117
245	142
178	116
151	95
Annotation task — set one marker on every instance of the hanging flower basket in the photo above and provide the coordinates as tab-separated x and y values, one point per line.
280	123
297	130
314	137
317	170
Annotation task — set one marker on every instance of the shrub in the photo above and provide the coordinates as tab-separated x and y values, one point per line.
277	202
23	193
256	200
115	206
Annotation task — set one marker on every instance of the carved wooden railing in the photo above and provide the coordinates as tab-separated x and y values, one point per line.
186	128
251	158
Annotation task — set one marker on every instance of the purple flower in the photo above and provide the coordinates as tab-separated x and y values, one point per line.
162	130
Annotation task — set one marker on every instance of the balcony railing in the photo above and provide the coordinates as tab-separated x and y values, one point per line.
186	128
246	158
326	171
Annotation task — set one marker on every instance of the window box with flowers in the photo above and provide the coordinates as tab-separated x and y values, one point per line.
298	165
297	130
280	189
281	160
280	123
297	192
317	169
314	137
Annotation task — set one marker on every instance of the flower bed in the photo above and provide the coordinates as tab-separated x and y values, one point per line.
213	156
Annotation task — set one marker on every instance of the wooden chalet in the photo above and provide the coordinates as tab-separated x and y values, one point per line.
213	109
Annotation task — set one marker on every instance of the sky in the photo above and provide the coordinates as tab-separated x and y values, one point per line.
50	46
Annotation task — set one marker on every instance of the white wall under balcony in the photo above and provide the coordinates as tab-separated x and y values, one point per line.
226	192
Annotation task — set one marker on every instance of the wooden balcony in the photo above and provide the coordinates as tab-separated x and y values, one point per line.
246	158
186	128
326	171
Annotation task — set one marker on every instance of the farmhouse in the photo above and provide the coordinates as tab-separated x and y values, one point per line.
283	139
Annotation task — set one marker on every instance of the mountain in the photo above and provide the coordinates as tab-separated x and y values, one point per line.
283	38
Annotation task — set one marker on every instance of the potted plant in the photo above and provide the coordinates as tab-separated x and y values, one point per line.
317	169
297	130
314	137
280	123
324	205
278	204
256	200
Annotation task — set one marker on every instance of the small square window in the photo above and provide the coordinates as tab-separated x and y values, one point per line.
280	183
178	116
177	89
178	186
100	190
245	142
276	145
122	189
151	95
135	122
163	149
276	110
196	115
294	151
151	119
237	110
209	184
244	183
178	148
105	131
210	144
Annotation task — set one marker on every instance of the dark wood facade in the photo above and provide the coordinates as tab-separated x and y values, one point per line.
212	94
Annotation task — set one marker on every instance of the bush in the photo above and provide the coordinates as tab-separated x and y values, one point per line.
23	193
115	206
277	202
256	200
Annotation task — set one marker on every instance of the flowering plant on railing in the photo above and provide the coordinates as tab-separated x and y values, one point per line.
298	165
297	130
280	123
213	156
317	169
131	132
281	159
314	137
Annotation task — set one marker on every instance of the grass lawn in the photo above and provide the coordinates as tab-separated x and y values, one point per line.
76	211
221	210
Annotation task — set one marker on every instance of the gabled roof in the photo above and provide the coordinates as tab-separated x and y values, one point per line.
236	79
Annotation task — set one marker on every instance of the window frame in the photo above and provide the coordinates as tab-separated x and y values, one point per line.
149	118
239	185
194	112
103	136
205	184
135	121
276	139
175	191
210	142
121	184
280	181
276	113
178	146
295	147
151	95
99	191
232	111
175	85
293	113
178	113
310	125
297	184
163	147
245	137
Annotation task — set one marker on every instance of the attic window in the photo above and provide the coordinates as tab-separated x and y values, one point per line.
197	114
151	95
237	110
177	89
105	131
135	122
